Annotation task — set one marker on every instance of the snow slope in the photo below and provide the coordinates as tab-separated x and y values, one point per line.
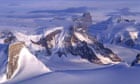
28	66
116	74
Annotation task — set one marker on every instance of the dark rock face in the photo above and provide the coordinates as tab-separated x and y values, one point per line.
106	52
13	56
136	61
129	43
3	57
77	41
8	37
85	52
72	44
43	42
46	41
87	19
84	21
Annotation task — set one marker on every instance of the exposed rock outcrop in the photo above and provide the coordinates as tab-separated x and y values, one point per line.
84	21
13	56
77	42
136	61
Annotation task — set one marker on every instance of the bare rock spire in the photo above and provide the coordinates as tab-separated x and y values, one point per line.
84	21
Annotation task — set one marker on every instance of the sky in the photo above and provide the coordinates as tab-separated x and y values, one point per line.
20	9
27	5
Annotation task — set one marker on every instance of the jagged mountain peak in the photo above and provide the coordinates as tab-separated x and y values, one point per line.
73	39
76	42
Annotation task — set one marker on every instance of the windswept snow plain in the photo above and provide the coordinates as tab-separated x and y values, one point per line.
115	24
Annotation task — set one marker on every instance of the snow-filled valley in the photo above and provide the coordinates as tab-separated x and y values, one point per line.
69	42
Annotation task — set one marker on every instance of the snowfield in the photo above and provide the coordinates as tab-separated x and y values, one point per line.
87	73
70	42
116	74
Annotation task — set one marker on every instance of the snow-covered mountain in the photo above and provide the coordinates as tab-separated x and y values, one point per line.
62	41
22	64
118	30
24	55
32	53
76	42
39	45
